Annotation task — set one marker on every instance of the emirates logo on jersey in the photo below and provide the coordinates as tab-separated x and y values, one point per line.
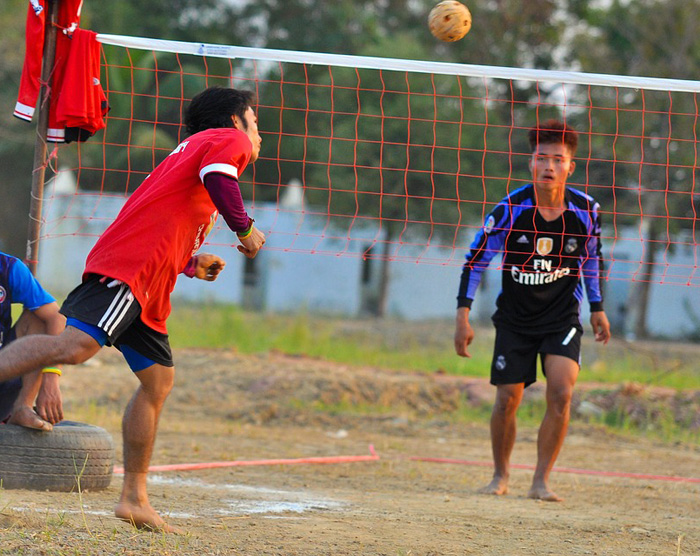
544	245
538	277
3	294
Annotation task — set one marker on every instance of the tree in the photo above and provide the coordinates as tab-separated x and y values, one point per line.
184	20
653	131
172	19
390	148
16	137
446	149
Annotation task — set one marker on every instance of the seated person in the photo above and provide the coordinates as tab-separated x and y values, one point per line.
39	316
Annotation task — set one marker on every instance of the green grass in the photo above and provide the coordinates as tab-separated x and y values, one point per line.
425	347
428	347
329	338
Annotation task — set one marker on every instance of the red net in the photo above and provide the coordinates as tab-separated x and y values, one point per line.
398	165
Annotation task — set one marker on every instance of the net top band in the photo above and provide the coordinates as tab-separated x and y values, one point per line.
397	64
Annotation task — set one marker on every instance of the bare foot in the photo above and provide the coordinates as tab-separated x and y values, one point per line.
498	486
144	518
543	493
26	417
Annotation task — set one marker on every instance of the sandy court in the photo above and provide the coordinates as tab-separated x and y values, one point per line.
266	407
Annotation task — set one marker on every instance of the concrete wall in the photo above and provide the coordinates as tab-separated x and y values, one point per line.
307	265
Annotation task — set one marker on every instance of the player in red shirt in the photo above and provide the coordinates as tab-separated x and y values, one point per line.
124	298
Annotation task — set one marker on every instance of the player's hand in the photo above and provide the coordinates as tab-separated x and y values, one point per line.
601	326
208	267
464	333
252	244
49	402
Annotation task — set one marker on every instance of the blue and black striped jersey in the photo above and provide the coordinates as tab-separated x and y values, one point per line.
544	262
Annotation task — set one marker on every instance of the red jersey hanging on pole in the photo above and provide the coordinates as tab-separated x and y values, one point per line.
81	103
71	92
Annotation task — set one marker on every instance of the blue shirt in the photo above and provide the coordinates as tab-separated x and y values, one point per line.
17	285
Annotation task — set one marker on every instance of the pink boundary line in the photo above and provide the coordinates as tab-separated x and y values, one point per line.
216	464
566	470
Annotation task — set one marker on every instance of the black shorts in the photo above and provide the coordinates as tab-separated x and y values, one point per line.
515	355
111	315
11	336
9	390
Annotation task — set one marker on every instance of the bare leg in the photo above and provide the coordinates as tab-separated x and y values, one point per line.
139	428
503	432
23	413
37	351
561	377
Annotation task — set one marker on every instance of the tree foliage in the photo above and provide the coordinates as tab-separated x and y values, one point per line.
447	160
655	132
426	161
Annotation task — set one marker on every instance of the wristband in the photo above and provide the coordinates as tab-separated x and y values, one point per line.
191	267
52	370
248	231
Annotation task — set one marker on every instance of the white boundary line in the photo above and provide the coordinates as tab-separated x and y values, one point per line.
396	64
226	500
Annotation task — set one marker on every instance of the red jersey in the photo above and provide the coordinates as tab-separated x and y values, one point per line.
81	104
166	219
68	19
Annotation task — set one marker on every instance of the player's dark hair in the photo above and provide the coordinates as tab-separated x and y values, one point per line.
553	131
213	108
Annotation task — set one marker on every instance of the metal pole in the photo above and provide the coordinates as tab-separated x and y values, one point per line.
39	166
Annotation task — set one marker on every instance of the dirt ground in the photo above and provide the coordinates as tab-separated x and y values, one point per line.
227	406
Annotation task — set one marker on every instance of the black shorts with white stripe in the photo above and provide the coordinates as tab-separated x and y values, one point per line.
103	302
109	305
515	354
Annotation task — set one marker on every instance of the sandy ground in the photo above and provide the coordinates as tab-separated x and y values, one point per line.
228	407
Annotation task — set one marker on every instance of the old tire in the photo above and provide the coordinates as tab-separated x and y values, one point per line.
74	456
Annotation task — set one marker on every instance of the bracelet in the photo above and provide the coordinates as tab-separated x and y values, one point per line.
52	370
246	234
248	231
191	267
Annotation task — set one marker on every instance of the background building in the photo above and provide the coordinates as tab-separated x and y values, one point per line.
308	265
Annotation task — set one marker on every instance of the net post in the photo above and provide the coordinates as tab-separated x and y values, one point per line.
39	164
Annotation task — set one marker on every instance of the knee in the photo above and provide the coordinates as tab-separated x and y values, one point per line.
157	394
28	323
75	350
75	355
159	384
165	386
559	400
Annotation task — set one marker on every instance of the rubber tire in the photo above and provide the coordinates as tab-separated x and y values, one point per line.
74	456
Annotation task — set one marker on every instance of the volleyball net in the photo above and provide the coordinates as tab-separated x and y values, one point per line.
397	159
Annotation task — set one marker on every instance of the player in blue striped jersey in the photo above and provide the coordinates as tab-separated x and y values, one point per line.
39	316
549	235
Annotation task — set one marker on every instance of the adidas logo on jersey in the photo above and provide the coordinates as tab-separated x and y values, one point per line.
522	239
